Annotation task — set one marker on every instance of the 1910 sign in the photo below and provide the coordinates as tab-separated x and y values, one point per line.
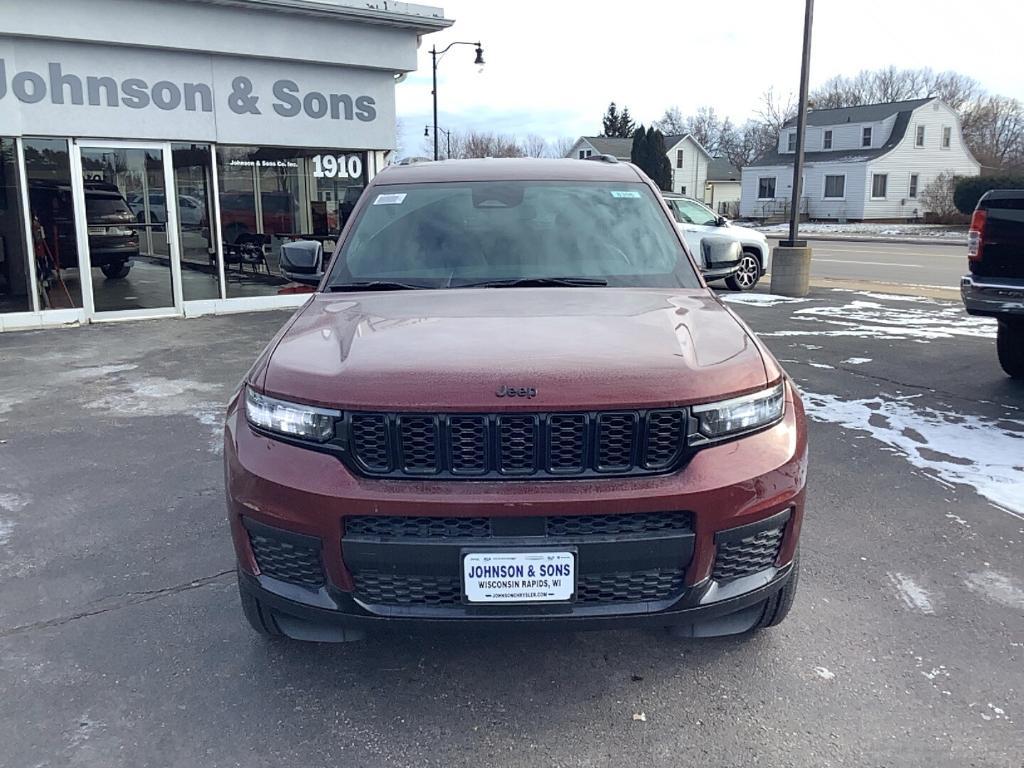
337	167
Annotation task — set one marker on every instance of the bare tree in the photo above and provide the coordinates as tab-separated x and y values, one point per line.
672	123
706	128
535	146
484	144
775	110
994	130
937	196
560	147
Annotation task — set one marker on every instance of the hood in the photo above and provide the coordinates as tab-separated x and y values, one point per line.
452	350
747	232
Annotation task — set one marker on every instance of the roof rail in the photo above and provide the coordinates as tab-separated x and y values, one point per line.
603	158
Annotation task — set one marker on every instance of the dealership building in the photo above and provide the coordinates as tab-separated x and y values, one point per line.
156	154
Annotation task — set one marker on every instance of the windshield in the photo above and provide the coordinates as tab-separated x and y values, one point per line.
448	235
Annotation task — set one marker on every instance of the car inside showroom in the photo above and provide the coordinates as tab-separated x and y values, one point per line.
156	169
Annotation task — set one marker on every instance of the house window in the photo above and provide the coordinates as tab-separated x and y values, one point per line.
947	136
582	154
679	158
835	187
913	186
919	139
826	141
865	138
792	141
766	188
682	190
879	182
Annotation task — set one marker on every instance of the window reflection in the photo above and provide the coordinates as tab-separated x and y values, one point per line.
193	177
15	282
270	196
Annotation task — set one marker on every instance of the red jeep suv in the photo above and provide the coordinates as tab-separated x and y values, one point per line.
513	399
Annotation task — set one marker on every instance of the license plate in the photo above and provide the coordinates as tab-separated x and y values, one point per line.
518	577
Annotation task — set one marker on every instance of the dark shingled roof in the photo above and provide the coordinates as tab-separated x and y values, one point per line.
866	113
720	169
899	130
623	148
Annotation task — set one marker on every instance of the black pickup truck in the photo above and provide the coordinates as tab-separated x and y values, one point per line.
994	287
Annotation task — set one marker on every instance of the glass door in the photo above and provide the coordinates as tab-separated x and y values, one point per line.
130	221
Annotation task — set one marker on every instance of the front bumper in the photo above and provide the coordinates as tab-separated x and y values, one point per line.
718	272
992	297
744	489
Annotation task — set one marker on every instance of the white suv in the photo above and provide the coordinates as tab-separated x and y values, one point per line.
696	221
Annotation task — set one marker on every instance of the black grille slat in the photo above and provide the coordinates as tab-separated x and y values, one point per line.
418	440
736	559
664	438
380	588
616	439
467	436
371	441
567	442
286	561
517	445
418	527
388	526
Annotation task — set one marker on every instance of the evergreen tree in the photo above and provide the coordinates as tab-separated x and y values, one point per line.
660	169
626	124
611	121
638	153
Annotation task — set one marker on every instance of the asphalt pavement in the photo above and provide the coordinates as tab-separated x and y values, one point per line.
937	265
122	644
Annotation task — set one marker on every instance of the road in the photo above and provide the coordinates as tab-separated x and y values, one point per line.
932	265
122	644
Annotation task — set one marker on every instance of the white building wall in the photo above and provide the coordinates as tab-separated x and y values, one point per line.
690	179
581	144
927	162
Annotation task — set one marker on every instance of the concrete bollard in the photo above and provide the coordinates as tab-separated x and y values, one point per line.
791	270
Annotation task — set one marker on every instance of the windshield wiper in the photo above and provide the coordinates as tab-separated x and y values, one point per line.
376	285
538	282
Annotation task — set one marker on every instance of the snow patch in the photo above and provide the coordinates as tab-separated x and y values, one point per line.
957	448
857	360
760	299
872	230
911	594
6	529
872	320
996	587
156	396
821	365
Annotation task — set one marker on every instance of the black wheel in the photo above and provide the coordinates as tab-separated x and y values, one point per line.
1010	345
776	607
747	275
116	271
259	618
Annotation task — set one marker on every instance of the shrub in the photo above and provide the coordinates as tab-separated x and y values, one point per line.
937	199
969	189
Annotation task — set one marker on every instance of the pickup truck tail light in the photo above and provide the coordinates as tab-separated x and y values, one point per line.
976	236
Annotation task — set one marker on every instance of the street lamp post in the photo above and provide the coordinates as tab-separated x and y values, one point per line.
791	260
435	56
447	136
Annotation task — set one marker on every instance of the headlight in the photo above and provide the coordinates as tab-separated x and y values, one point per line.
738	415
290	419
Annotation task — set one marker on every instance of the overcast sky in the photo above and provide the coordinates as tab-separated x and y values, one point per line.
553	65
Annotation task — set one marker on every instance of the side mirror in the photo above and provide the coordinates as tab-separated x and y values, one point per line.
721	221
302	261
719	251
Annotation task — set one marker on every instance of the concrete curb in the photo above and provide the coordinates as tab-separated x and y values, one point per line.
885	240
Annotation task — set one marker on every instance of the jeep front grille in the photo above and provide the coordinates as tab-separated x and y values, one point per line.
516	445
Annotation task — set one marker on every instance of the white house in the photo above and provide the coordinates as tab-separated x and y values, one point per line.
723	187
867	162
688	158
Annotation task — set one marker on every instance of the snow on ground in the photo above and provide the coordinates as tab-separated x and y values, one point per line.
759	299
867	229
873	320
957	448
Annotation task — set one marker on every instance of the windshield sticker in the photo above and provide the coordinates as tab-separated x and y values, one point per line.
618	193
393	199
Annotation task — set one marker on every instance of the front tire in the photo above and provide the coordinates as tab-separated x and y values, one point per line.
747	275
776	607
259	618
116	271
1010	346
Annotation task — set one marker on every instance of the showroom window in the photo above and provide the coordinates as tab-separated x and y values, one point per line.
193	179
15	281
54	242
270	196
